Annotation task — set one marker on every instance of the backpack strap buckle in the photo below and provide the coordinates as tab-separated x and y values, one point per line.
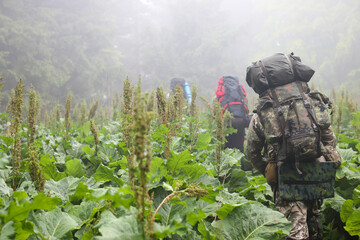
307	103
314	127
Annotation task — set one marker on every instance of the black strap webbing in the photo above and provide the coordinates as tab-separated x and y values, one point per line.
306	102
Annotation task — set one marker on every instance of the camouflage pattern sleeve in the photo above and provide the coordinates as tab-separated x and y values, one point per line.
255	143
328	139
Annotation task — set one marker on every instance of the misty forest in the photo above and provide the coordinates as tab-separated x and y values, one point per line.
95	145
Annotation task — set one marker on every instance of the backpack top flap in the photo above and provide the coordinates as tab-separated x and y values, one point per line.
279	72
232	89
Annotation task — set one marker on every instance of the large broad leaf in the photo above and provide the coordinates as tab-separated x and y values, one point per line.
205	231
236	179
74	168
63	188
178	161
47	148
49	168
88	150
193	171
82	213
75	151
127	227
353	223
347	142
335	203
106	217
103	173
183	163
4	189
5	173
167	211
252	221
20	212
346	154
54	224
230	201
6	140
118	197
108	151
347	179
173	214
207	180
81	192
346	210
23	229
7	231
203	141
60	154
356	196
228	158
157	169
4	160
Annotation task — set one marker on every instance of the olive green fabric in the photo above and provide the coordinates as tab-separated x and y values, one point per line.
300	130
315	182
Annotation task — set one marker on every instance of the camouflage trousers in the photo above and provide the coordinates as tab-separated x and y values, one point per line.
304	216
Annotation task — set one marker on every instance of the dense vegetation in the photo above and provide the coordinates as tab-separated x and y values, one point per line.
149	168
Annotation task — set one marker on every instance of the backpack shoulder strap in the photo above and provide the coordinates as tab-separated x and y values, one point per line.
280	114
307	105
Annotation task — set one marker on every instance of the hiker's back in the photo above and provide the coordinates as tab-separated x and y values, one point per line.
291	124
232	97
291	115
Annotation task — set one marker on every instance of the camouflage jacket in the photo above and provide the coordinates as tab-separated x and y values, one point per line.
255	143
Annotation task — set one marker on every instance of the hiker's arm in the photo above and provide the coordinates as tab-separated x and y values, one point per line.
328	137
255	143
329	142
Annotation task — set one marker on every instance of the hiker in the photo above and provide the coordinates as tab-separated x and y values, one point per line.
232	97
184	85
292	125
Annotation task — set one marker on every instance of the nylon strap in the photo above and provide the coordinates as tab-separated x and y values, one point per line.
306	102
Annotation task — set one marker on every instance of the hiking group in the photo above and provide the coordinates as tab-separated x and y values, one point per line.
289	137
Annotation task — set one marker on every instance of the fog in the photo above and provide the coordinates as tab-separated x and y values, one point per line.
90	47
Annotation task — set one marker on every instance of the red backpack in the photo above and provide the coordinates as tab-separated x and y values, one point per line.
232	96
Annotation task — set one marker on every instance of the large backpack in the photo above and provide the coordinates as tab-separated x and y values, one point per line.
232	96
291	115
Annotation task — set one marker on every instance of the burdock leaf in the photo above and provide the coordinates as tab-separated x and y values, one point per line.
346	210
252	221
178	161
55	224
20	212
203	141
126	226
353	223
103	173
49	168
63	188
74	168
